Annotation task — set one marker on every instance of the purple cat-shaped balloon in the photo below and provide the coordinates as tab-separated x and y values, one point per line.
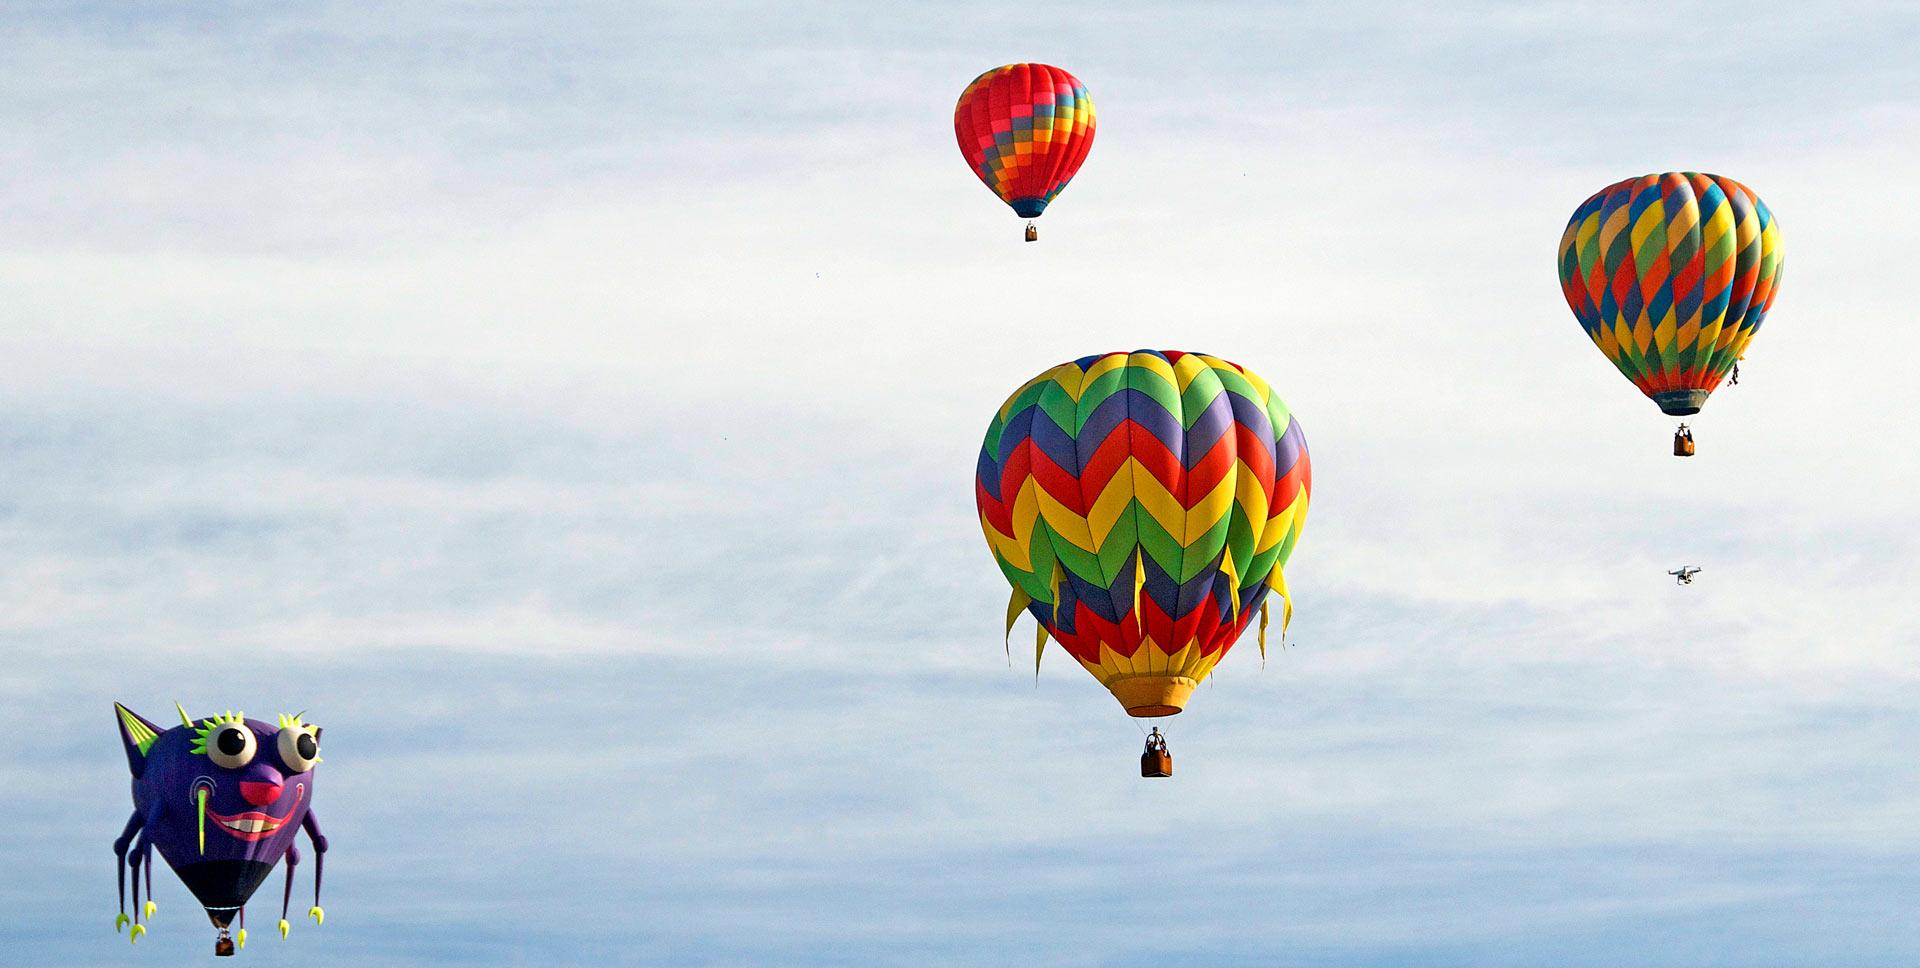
222	797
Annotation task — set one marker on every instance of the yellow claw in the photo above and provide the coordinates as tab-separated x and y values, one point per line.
319	916
119	922
133	937
284	927
151	907
240	940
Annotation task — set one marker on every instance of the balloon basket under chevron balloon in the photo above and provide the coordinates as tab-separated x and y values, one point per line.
1033	232
1156	761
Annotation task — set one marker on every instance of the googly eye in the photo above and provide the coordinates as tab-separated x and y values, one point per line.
231	745
299	748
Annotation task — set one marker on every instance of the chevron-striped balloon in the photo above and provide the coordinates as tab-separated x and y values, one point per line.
1671	276
1142	506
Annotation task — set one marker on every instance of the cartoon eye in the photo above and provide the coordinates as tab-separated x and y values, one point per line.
299	748
231	745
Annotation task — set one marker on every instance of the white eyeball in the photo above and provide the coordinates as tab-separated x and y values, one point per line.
299	748
231	745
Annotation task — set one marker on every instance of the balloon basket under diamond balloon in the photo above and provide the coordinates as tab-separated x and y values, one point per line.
1683	442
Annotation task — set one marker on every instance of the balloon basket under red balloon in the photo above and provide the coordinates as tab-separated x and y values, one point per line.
1156	761
1033	232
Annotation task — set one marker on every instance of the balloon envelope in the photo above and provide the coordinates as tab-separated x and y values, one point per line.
222	828
1142	506
1671	275
1024	130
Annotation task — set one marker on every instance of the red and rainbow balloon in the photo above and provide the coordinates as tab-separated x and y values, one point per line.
1024	130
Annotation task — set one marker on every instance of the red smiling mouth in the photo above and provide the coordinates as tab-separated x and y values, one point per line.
254	825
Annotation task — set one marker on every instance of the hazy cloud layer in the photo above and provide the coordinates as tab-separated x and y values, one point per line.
575	411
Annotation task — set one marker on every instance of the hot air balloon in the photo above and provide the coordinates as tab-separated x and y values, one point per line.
1142	505
1671	276
1025	129
222	798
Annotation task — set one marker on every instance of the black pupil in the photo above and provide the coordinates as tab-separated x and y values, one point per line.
307	747
231	742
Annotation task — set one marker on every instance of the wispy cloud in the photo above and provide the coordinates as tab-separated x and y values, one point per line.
576	412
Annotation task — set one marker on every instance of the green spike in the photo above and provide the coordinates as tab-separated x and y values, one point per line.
185	720
205	729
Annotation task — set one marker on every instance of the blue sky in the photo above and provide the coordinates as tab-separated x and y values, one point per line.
575	412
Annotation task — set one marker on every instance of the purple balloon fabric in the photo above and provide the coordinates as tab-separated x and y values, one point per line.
222	798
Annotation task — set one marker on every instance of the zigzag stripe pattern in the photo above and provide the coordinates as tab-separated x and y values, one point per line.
1025	129
1671	275
1143	506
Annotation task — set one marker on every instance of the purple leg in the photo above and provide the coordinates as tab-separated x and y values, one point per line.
142	854
286	895
319	839
134	823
